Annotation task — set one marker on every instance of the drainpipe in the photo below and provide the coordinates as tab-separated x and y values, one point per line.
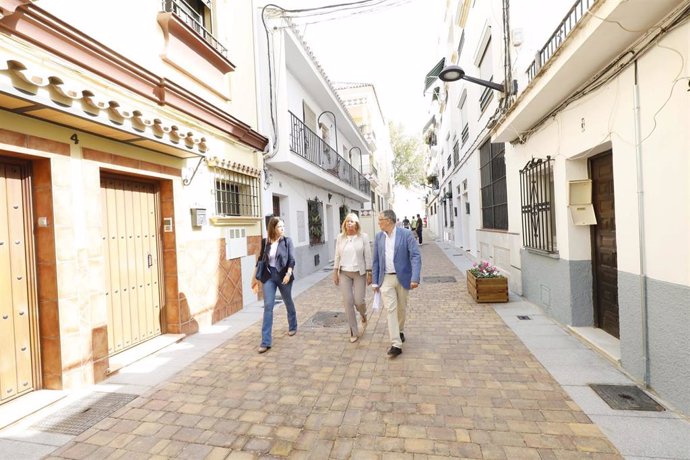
641	234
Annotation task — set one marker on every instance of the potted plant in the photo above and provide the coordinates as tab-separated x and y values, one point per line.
485	283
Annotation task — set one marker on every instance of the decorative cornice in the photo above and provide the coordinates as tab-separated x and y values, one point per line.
47	32
8	7
75	99
216	162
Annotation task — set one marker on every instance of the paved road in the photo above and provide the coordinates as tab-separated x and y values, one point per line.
464	387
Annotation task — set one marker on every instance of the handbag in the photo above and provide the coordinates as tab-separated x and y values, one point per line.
261	267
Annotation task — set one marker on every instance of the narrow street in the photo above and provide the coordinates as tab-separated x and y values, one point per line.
465	387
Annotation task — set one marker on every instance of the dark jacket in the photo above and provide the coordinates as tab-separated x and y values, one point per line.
285	258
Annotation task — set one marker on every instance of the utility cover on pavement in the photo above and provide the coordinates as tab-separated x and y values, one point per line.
327	319
83	414
439	279
626	397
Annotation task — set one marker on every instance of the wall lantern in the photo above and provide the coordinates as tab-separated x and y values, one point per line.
453	73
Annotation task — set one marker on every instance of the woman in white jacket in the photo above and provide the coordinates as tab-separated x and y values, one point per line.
352	271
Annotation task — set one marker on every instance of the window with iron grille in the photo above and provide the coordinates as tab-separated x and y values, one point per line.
536	199
494	192
456	153
448	162
315	221
236	194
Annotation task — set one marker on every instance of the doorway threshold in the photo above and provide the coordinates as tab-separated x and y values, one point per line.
134	354
601	341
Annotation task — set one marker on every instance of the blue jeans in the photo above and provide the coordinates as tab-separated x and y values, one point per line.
270	286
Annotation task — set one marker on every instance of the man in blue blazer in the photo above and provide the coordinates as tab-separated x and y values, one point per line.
397	265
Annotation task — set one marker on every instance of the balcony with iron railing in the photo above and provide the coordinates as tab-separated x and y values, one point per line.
575	14
193	19
307	144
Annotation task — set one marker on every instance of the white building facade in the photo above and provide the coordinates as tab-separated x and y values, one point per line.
362	103
313	174
597	172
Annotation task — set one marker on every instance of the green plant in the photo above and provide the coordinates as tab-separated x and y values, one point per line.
315	224
485	270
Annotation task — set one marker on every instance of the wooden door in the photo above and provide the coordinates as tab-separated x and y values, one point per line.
17	287
132	250
604	257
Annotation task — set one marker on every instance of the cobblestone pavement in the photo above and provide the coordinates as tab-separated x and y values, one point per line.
464	387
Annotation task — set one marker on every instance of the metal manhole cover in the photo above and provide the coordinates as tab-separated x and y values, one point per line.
439	279
626	397
327	319
83	414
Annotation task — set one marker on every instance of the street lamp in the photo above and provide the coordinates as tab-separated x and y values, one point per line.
335	126
454	73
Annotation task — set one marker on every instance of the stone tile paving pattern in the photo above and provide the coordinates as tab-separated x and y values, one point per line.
464	387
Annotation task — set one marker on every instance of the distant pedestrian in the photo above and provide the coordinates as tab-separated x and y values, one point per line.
397	266
420	227
352	271
278	254
398	224
406	223
413	226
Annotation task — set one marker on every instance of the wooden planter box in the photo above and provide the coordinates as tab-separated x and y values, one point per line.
487	289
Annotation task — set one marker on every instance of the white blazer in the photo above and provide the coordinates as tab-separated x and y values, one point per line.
362	248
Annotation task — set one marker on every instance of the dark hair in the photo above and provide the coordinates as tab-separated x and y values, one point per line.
272	224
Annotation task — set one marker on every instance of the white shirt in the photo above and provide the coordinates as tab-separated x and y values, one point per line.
390	251
272	254
348	259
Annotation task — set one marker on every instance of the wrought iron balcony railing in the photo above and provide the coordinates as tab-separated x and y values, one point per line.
307	144
576	13
193	19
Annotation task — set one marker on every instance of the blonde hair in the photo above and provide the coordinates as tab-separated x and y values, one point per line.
354	217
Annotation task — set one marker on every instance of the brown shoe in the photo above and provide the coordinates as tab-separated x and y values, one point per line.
291	333
263	349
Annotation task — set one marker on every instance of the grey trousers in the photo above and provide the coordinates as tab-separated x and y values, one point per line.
353	289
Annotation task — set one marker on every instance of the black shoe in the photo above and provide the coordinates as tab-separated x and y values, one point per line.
394	351
402	337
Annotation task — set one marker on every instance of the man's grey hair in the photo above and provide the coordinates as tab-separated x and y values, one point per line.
389	214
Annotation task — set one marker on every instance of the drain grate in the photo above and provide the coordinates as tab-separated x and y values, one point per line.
626	397
327	319
523	317
439	279
83	414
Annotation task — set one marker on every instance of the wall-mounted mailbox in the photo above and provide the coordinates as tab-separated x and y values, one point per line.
581	209
198	217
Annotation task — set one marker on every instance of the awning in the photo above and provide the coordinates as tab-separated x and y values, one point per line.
434	73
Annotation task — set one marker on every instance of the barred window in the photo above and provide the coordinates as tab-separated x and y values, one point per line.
236	194
536	199
315	221
494	191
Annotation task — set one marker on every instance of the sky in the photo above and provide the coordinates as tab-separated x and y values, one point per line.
393	48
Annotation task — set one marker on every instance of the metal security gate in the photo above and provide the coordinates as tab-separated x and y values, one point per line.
131	242
17	284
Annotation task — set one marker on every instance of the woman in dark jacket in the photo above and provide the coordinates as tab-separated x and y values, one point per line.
277	252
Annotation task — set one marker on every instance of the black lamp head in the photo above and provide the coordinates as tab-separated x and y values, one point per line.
451	73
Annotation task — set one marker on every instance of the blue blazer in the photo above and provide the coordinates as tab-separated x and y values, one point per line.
285	258
406	258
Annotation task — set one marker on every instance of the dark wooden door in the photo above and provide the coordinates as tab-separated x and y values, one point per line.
604	260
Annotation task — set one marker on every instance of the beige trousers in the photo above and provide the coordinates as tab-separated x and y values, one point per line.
394	298
353	289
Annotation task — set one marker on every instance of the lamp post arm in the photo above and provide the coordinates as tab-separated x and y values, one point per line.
488	84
